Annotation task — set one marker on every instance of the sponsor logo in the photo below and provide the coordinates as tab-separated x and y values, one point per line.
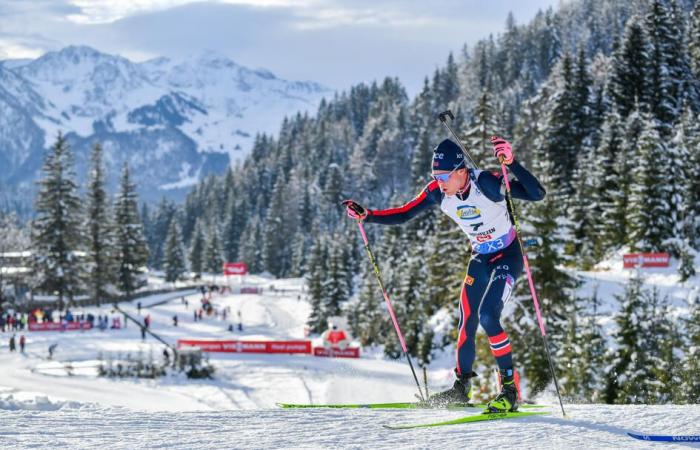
483	237
475	226
468	212
469	280
491	231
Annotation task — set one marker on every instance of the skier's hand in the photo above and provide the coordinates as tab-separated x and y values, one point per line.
502	150
355	210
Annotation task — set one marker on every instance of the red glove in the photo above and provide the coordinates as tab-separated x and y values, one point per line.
502	149
355	210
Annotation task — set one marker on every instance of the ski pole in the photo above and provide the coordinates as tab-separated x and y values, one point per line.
443	118
389	307
531	283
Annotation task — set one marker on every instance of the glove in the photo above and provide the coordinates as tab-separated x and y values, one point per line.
502	149
355	210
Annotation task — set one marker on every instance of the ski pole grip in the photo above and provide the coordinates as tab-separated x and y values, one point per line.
445	114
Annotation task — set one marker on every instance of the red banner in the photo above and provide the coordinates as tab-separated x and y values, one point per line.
237	268
248	346
52	326
335	352
646	260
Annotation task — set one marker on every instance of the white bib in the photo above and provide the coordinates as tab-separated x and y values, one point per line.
486	222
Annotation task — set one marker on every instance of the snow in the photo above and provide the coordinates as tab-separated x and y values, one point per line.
45	405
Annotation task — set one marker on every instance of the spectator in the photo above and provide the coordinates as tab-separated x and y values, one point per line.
175	320
52	348
22	342
147	321
195	315
166	356
143	333
138	306
12	343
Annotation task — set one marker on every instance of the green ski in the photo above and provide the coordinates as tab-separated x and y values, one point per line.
399	405
469	419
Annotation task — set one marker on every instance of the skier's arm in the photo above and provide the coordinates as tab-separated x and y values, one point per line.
526	187
427	198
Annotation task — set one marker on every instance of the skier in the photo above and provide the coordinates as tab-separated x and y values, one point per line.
475	200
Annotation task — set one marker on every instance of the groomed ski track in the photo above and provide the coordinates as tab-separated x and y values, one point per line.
590	426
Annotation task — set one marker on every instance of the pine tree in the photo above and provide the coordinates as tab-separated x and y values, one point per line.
56	230
690	386
277	231
694	41
629	85
648	213
483	125
335	289
213	258
131	247
368	318
174	263
100	256
250	251
314	282
159	230
607	185
592	356
197	251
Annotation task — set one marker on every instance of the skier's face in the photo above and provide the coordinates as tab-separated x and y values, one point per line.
451	181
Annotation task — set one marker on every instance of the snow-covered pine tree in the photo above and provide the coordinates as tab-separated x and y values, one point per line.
648	211
174	264
367	315
315	276
664	342
690	386
131	246
213	256
158	232
628	337
335	287
694	41
669	68
249	250
628	83
686	239
56	231
100	260
197	250
482	125
592	356
606	182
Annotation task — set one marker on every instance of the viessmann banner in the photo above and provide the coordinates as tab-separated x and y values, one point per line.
645	260
247	346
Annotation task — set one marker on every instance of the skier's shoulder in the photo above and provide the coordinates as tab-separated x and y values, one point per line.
433	192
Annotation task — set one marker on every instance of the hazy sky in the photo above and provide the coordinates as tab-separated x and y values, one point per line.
335	42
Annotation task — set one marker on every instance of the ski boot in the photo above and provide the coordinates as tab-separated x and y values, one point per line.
459	394
509	398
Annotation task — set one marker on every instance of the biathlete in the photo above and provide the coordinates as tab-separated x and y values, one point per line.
475	200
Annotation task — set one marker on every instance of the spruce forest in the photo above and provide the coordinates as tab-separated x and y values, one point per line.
600	100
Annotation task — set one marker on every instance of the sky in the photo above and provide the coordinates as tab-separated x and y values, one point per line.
335	42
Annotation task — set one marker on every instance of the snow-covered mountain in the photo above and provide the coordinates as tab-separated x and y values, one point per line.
173	120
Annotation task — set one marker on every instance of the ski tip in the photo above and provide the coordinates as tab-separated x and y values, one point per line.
664	438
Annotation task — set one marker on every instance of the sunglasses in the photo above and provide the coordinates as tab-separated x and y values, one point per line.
444	177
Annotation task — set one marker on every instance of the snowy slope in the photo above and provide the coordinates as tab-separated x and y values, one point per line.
42	406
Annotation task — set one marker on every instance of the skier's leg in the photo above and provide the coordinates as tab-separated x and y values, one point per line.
506	269
473	288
